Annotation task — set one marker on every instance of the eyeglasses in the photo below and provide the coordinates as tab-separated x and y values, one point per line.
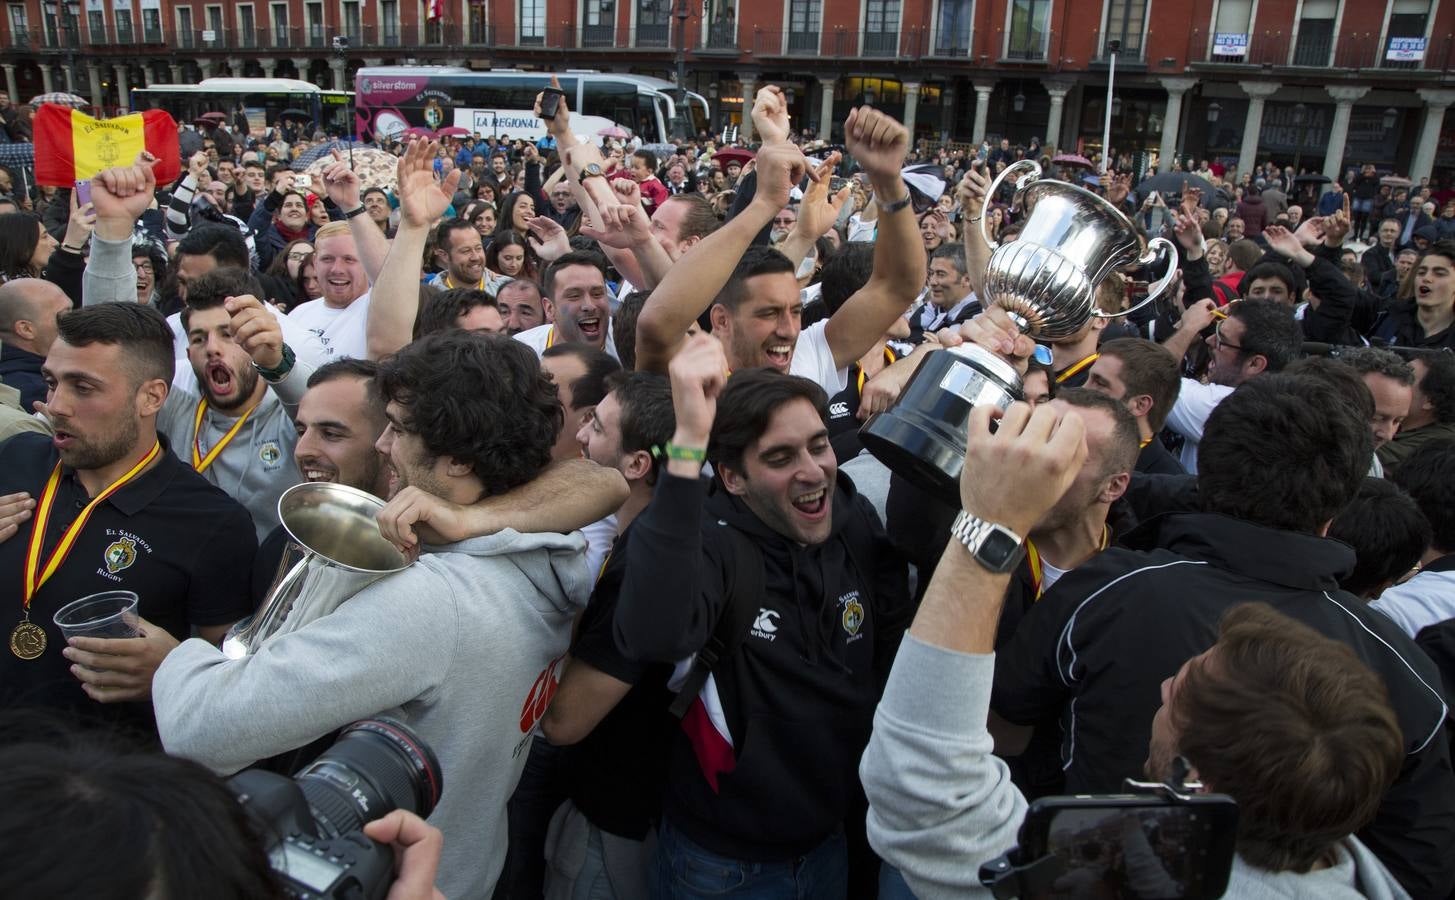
144	267
299	254
785	220
1220	344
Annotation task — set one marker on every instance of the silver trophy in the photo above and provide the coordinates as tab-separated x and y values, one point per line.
1046	280
329	525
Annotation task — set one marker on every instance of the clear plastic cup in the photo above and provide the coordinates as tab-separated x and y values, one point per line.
111	614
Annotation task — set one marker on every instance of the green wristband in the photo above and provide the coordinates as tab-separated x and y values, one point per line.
687	454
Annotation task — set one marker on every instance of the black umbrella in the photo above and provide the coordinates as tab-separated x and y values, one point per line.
298	114
1174	183
1312	179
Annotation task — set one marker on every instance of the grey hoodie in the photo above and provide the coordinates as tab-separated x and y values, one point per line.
456	646
940	804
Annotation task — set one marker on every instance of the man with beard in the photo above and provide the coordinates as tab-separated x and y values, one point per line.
340	317
461	253
456	645
233	430
802	681
1145	379
116	510
753	295
575	289
1257	336
522	305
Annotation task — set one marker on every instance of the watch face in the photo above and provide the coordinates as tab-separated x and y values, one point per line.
998	551
593	169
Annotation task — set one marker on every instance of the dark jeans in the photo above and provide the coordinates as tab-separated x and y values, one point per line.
684	871
537	795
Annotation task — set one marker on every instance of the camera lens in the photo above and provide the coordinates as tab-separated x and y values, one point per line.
376	766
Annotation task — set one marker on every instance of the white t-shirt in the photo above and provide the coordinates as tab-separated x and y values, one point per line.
343	332
814	359
304	343
543	336
1195	402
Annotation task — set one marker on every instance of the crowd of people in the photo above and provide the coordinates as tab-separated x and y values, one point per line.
668	626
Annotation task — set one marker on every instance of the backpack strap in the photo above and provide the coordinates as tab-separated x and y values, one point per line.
744	592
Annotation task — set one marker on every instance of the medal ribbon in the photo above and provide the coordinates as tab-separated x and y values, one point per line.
449	283
1034	558
1075	368
550	337
200	462
35	575
889	359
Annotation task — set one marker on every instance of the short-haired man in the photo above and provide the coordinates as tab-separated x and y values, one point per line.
456	645
1146	379
1282	455
376	205
29	309
575	287
752	295
1425	320
611	709
523	306
1391	381
1431	416
460	252
825	621
117	510
1380	258
579	372
1257	336
1428	475
464	308
1389	535
233	422
949	298
340	317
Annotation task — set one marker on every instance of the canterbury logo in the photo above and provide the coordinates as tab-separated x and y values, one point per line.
766	625
838	410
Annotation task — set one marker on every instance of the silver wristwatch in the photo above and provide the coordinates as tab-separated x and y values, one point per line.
995	547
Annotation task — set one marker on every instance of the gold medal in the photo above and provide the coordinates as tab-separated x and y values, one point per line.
27	641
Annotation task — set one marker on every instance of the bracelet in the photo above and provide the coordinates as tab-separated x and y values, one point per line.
686	454
355	212
76	250
897	205
974	220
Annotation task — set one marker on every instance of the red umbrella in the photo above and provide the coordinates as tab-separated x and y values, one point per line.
1072	159
417	132
615	131
739	155
454	131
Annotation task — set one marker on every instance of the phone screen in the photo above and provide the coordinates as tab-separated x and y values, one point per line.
83	192
1133	851
550	103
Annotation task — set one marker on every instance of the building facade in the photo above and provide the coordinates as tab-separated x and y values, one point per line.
1313	83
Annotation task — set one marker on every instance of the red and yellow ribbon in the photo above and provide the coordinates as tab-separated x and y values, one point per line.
550	337
1076	368
1033	557
200	462
889	359
36	575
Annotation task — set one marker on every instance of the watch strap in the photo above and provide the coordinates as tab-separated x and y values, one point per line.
897	205
972	531
279	372
355	212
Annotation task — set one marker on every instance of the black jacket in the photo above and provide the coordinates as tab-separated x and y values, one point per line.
1401	326
21	370
1111	631
798	695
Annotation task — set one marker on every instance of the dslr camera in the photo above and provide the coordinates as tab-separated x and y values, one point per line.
312	824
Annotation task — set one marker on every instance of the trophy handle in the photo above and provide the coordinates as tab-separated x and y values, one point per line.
1163	283
1033	174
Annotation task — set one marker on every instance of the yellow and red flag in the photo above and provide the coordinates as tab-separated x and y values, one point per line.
70	145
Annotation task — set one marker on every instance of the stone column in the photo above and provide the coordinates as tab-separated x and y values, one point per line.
10	86
1258	93
123	87
176	73
1176	89
47	80
911	108
1436	102
1344	100
750	89
340	73
947	111
269	64
983	90
236	66
826	108
1058	91
70	77
93	71
301	64
207	66
146	75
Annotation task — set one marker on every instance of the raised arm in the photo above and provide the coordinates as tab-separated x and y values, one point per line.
879	144
120	196
816	214
395	298
689	290
972	192
343	186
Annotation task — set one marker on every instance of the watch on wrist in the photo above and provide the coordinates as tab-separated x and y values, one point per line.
281	370
897	205
355	212
995	547
592	170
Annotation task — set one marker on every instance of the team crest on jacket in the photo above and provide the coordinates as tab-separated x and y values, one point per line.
270	453
120	555
853	615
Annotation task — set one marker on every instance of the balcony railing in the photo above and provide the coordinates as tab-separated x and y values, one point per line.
654	34
22	38
1029	46
1318	51
601	35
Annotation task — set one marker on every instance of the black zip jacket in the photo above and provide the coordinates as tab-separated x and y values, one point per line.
1098	645
798	695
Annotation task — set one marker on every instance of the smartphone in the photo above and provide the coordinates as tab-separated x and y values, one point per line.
83	192
836	184
1133	845
551	102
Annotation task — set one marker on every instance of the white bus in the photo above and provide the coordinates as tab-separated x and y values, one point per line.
500	103
262	99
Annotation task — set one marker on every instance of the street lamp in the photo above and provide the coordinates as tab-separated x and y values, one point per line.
1018	102
1391	115
682	14
1111	76
1213	109
1300	115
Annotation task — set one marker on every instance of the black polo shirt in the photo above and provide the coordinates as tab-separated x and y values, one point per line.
182	545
